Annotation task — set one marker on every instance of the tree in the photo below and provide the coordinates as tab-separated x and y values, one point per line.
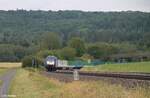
78	45
50	41
94	51
11	52
68	53
45	53
99	50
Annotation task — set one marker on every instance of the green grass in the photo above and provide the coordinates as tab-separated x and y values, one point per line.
29	84
126	67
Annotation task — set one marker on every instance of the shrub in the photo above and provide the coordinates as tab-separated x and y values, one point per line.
39	61
27	61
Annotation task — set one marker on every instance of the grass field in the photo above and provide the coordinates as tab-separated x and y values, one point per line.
126	67
9	65
29	84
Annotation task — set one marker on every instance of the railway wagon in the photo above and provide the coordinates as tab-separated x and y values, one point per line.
52	63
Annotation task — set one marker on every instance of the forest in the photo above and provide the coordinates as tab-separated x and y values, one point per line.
81	34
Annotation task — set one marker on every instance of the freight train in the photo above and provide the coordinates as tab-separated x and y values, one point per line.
52	63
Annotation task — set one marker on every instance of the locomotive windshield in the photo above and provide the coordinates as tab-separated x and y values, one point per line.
50	60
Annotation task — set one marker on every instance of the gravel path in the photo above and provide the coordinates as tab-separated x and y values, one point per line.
6	79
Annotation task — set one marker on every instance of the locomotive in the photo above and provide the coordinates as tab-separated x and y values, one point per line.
52	63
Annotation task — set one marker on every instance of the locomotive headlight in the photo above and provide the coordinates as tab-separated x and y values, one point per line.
50	62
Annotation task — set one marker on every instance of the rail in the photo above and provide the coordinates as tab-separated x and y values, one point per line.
138	76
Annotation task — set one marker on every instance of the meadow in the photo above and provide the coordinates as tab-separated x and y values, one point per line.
8	65
121	67
5	66
30	84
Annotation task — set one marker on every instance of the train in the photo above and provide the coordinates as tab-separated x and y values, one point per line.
52	63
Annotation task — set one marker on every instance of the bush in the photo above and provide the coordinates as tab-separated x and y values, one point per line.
39	61
28	60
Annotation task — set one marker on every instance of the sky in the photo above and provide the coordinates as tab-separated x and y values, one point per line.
84	5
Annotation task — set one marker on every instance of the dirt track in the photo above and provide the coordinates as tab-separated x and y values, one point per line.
6	80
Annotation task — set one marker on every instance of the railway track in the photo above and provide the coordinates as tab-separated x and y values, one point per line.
128	80
130	75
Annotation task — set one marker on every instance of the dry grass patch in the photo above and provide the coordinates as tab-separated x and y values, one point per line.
10	65
99	89
5	66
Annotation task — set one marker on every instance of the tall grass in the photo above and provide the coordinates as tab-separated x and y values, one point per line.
32	85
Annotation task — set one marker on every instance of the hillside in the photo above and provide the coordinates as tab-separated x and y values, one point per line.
21	25
21	31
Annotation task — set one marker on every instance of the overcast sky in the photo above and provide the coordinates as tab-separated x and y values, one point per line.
85	5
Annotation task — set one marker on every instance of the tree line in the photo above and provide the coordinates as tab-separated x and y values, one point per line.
77	49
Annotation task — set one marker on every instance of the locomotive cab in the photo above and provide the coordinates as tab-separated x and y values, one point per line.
51	63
